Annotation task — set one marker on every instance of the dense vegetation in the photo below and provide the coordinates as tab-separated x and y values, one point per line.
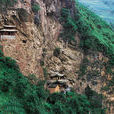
4	4
69	25
96	34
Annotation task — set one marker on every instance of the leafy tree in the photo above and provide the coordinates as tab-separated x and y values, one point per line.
35	8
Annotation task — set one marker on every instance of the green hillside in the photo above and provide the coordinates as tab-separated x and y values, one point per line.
96	34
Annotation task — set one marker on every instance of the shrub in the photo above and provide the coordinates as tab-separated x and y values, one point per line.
56	52
1	53
35	8
9	62
33	78
42	62
83	67
45	72
23	14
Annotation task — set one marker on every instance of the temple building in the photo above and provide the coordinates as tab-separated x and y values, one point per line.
53	88
8	32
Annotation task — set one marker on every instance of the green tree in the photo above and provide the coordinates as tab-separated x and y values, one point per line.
12	106
69	25
35	8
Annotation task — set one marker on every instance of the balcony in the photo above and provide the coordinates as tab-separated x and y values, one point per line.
2	37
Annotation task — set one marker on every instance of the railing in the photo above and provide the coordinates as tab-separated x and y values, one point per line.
7	37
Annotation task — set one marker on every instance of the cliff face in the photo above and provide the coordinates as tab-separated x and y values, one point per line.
35	43
31	39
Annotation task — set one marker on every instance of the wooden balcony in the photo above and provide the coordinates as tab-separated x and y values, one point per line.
2	37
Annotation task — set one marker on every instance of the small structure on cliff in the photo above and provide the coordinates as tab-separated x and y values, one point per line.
57	75
8	32
53	88
56	86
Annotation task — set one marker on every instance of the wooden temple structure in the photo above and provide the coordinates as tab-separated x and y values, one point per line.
8	32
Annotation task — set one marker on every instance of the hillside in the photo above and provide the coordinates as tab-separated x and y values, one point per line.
58	43
103	8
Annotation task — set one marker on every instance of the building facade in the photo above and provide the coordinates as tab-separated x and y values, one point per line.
8	32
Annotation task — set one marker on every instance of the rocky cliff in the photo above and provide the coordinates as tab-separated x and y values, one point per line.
38	38
32	38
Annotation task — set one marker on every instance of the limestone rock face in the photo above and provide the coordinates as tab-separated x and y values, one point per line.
30	40
26	51
68	61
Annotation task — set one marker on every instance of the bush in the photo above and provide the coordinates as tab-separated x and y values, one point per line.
9	62
45	72
1	53
56	52
42	62
23	15
35	8
83	67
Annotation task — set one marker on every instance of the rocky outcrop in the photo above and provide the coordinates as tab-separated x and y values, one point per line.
67	63
30	40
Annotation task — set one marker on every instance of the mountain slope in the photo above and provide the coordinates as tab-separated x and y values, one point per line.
58	37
